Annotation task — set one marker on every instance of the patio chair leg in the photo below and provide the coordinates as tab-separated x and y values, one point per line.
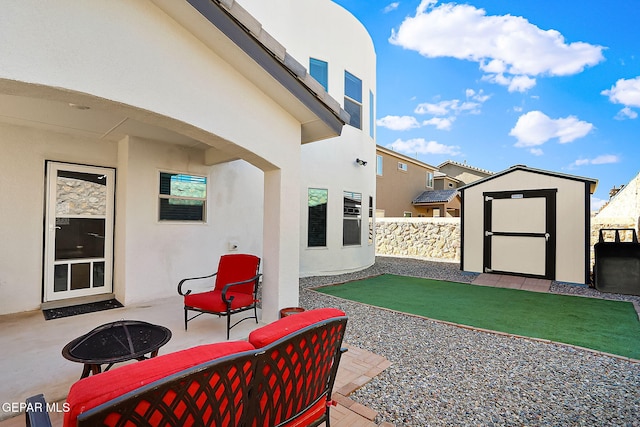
186	313
228	324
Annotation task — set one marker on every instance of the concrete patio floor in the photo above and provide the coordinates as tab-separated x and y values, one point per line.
32	363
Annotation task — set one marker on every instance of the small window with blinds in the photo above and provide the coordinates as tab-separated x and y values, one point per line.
182	197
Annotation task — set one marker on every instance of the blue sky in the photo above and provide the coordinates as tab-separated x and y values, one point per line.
551	84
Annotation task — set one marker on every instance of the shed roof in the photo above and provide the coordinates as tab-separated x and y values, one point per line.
435	196
593	183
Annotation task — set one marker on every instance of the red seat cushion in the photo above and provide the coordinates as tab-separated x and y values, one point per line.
97	389
280	328
212	301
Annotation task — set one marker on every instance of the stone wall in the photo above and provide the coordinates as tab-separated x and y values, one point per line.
439	238
429	238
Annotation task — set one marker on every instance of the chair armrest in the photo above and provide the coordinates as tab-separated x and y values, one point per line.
192	278
244	282
36	413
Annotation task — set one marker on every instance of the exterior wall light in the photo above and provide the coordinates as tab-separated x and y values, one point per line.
361	162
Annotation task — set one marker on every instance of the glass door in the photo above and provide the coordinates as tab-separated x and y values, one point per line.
79	231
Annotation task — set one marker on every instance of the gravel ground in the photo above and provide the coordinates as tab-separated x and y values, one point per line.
443	375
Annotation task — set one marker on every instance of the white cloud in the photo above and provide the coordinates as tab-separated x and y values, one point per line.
535	128
509	49
440	123
421	146
536	151
626	113
597	204
625	92
391	7
398	122
453	106
603	159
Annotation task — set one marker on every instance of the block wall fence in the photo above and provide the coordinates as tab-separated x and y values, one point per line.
438	239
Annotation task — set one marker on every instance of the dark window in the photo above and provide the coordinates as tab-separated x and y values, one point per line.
352	219
317	230
353	99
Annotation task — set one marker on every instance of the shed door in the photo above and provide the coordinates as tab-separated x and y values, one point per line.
520	233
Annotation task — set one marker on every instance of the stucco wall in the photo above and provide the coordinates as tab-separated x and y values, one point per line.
22	196
124	70
429	238
302	26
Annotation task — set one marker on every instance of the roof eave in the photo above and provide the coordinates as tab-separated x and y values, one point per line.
324	118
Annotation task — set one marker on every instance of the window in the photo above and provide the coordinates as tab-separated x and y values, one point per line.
402	166
319	70
379	163
353	99
372	116
371	219
182	197
352	219
317	229
407	214
430	179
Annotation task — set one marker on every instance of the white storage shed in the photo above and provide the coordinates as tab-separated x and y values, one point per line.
528	222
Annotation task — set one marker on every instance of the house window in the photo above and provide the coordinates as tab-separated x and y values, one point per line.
371	220
319	70
407	214
317	229
352	219
379	162
451	185
353	99
402	166
372	116
182	197
430	179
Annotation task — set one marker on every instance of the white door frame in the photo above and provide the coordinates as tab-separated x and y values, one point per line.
58	215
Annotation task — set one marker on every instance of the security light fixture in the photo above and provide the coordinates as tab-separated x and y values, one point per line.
361	162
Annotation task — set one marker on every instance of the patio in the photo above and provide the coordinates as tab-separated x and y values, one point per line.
32	362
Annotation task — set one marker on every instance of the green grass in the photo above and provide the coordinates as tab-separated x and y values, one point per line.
607	326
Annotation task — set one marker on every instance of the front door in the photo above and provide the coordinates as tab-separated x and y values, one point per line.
78	231
520	233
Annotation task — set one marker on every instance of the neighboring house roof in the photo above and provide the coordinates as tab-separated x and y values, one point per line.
593	183
464	165
435	196
406	158
442	175
247	33
625	203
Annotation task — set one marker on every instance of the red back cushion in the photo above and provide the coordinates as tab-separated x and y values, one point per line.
295	372
97	389
236	268
280	328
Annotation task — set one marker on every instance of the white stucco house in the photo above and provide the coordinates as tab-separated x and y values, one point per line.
337	193
140	140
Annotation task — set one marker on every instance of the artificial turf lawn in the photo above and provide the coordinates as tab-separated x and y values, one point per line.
608	326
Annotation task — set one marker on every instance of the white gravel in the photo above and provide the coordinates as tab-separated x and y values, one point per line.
443	375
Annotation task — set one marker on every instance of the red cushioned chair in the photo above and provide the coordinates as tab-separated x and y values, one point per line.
235	290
